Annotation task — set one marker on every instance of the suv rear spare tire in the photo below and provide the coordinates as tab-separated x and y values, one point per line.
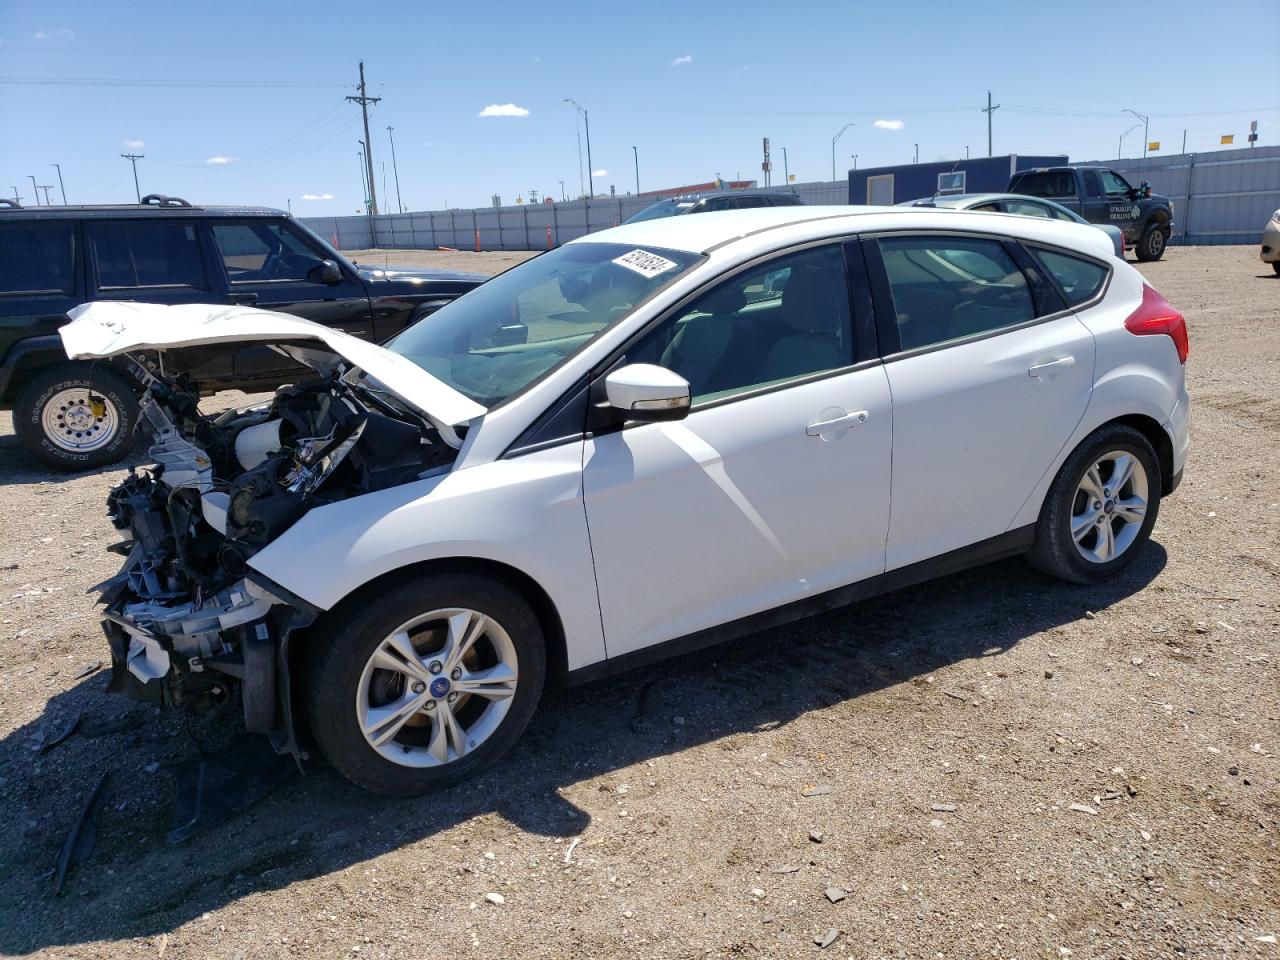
76	416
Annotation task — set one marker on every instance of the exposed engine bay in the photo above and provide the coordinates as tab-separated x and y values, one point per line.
189	622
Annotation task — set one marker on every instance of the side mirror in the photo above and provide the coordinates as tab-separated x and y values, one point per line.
326	271
647	393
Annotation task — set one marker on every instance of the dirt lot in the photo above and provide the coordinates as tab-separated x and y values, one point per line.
664	814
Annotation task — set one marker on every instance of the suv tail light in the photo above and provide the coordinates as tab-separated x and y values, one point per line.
1155	315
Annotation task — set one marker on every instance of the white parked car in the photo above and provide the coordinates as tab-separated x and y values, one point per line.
1271	242
716	424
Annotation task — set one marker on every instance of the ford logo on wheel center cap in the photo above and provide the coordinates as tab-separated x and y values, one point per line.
439	687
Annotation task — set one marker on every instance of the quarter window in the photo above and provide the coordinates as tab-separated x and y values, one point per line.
146	254
36	258
785	319
946	288
1045	183
1079	279
1026	208
257	252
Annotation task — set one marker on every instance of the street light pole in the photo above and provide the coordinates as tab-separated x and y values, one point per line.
61	188
1120	148
786	173
1145	130
637	156
34	189
917	159
833	148
586	123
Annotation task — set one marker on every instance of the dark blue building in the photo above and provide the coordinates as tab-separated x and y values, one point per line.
910	181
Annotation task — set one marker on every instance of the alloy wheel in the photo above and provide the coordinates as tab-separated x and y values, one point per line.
1110	506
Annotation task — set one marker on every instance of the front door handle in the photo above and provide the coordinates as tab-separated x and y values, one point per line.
819	427
1051	366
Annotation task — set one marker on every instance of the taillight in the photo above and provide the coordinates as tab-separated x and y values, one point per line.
1155	315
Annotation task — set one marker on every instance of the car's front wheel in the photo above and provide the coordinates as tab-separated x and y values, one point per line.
1100	508
1151	244
77	416
426	684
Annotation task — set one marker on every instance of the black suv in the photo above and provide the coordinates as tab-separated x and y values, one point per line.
714	201
163	250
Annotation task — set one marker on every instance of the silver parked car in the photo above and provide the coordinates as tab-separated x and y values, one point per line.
1021	206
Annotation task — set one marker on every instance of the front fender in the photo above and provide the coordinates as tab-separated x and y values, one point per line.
525	512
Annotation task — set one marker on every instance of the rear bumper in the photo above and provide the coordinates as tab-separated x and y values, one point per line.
1178	426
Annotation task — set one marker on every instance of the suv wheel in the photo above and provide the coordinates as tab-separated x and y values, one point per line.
1151	244
425	685
1101	507
76	417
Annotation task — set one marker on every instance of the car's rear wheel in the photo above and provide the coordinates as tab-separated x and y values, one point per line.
426	684
76	417
1151	244
1101	507
1275	265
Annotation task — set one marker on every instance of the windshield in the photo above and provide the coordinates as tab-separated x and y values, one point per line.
663	208
507	332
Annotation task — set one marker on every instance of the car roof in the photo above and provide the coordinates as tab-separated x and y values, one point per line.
703	194
708	232
132	210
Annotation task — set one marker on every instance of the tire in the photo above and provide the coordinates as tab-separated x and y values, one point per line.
77	416
1275	265
1068	507
1151	245
347	689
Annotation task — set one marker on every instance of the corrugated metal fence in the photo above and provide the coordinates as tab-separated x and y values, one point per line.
531	226
1221	197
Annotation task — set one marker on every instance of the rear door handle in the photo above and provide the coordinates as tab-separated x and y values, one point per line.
819	427
1051	366
243	297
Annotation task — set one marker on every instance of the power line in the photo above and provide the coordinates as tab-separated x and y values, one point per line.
364	102
144	82
394	169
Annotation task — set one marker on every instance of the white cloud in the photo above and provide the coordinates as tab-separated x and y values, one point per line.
889	124
503	110
62	33
317	196
537	60
220	161
132	144
681	61
599	173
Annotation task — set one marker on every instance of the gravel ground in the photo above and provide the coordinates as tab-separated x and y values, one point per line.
1005	766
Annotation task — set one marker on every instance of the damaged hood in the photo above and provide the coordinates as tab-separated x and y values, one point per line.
106	329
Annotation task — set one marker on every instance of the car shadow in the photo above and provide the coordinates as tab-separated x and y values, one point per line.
18	466
135	884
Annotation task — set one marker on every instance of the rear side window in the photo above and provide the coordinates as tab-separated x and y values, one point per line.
36	258
146	254
1045	183
947	288
1092	184
1079	279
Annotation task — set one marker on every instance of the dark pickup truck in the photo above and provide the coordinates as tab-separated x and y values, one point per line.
163	250
1101	195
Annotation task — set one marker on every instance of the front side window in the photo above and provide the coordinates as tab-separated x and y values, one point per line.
785	319
557	303
36	258
1114	185
257	252
146	254
946	288
1079	279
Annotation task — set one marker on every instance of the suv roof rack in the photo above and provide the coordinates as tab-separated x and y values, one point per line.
160	200
11	204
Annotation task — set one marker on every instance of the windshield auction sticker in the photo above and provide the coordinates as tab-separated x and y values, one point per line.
644	263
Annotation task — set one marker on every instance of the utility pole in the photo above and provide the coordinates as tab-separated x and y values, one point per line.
1145	128
132	158
289	204
833	148
564	197
63	189
989	109
586	123
34	189
364	102
46	187
395	169
786	174
917	157
966	151
364	183
636	153
855	161
1184	141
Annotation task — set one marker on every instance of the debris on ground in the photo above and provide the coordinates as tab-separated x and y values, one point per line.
826	939
836	894
78	846
46	740
815	790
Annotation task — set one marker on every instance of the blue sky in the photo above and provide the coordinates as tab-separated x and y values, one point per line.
242	102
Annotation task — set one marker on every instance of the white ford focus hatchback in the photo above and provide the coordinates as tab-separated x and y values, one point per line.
646	441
